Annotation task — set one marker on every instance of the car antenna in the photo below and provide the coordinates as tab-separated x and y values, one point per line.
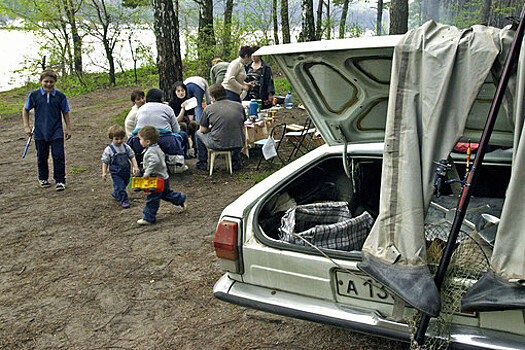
471	177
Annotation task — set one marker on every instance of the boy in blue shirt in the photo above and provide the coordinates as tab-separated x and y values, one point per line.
50	107
155	165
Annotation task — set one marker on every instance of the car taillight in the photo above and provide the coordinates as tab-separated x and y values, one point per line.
225	244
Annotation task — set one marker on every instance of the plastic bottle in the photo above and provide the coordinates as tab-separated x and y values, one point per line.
253	107
288	101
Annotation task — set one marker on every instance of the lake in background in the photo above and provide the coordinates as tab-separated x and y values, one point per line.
22	46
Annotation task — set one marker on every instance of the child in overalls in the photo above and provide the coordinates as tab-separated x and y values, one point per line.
117	157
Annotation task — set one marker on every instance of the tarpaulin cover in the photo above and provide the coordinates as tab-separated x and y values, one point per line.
437	73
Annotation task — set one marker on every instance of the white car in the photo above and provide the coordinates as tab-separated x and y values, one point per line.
344	85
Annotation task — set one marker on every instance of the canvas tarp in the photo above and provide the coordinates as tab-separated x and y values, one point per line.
437	73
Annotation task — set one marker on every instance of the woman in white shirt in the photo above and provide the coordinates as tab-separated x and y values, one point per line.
234	80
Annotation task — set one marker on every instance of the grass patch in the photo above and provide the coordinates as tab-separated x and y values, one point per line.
12	101
156	262
76	171
259	177
10	108
121	117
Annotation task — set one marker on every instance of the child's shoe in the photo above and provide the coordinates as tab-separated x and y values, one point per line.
60	186
125	205
179	169
143	222
183	205
44	183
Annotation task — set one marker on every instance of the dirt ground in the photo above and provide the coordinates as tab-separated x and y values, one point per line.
77	272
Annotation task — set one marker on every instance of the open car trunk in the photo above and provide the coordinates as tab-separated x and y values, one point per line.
326	182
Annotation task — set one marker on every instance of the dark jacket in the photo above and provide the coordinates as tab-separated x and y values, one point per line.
266	85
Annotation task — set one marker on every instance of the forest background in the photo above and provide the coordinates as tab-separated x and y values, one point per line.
211	29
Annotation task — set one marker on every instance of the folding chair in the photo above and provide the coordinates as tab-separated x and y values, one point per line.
301	140
277	134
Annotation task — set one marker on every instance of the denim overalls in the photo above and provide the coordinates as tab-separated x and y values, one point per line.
120	173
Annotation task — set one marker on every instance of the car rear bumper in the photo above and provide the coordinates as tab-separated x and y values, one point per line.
370	322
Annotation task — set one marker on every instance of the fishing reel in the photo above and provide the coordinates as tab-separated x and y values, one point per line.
443	166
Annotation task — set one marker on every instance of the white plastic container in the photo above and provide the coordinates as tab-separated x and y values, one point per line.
288	101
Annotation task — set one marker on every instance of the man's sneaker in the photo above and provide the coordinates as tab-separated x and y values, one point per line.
125	205
143	222
60	186
201	165
44	183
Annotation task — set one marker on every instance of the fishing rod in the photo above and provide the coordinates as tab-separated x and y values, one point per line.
472	175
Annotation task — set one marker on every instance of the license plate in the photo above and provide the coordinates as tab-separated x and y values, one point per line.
362	287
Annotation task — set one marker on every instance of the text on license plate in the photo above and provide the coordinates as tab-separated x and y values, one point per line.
358	285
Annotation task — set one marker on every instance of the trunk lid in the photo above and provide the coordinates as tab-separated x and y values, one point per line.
344	85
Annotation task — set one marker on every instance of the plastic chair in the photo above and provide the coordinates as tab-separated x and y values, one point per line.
212	154
277	133
301	139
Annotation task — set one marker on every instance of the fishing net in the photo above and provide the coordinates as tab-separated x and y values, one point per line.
470	259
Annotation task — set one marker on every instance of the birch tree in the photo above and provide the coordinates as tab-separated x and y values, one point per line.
275	22
307	18
285	22
206	37
227	38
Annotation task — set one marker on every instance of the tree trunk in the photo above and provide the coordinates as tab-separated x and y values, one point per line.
227	38
485	12
328	21
168	46
379	16
206	38
307	16
104	19
111	61
319	24
285	23
275	23
77	40
432	10
419	12
342	23
398	17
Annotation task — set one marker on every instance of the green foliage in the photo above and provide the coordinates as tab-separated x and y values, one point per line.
282	86
11	102
73	86
135	3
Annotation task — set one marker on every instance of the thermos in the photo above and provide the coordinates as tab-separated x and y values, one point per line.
253	107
